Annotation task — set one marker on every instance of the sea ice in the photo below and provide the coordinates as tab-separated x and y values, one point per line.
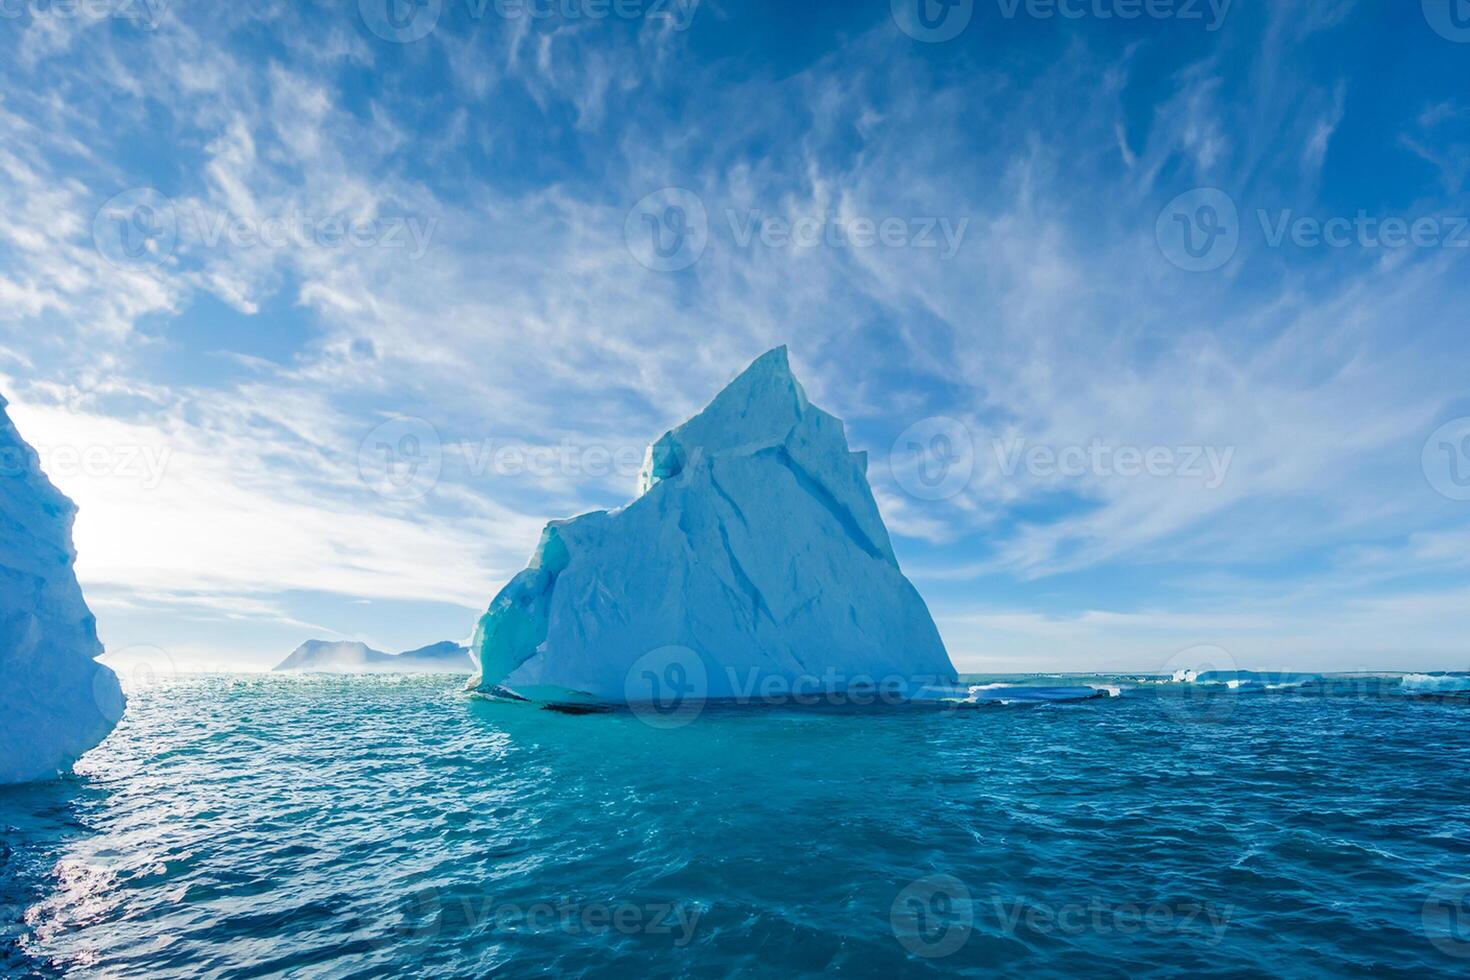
56	701
753	562
1435	684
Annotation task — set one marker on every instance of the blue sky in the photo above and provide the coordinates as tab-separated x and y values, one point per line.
1150	315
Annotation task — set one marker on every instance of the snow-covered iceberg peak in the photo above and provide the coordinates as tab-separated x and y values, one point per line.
754	551
56	701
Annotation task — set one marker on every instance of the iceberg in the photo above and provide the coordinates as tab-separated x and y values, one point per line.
753	563
325	656
57	701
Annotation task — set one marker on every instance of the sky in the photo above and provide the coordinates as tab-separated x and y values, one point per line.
1150	313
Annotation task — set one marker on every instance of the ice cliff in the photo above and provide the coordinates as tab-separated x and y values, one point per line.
56	701
359	658
754	545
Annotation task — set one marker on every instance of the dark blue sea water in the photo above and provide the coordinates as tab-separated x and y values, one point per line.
253	826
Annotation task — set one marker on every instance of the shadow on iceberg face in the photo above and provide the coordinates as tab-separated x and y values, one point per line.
58	705
38	823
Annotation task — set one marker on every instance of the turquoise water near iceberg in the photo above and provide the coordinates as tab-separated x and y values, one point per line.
252	826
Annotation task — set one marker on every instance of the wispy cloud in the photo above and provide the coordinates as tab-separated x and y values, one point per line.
517	148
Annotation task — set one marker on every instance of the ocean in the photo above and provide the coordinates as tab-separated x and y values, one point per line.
313	826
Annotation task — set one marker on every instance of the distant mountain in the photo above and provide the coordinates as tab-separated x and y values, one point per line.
358	658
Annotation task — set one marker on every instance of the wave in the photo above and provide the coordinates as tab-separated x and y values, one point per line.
1243	680
1029	688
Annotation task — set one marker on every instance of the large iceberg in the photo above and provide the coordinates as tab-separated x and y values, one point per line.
753	562
347	657
56	701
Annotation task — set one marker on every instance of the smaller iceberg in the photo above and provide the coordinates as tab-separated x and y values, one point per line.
56	701
1418	684
328	657
1023	694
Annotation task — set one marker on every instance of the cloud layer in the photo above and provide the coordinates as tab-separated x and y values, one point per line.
247	245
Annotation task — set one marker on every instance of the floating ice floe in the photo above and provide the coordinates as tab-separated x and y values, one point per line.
1245	681
1435	684
1018	694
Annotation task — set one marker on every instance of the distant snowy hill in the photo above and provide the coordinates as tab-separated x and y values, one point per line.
56	701
358	658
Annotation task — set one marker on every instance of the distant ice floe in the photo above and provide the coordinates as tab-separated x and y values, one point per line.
1435	684
1015	694
1382	683
1241	680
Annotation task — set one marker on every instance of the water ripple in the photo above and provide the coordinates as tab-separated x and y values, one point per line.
243	827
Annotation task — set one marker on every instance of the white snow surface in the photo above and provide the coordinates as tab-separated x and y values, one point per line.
753	560
56	701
